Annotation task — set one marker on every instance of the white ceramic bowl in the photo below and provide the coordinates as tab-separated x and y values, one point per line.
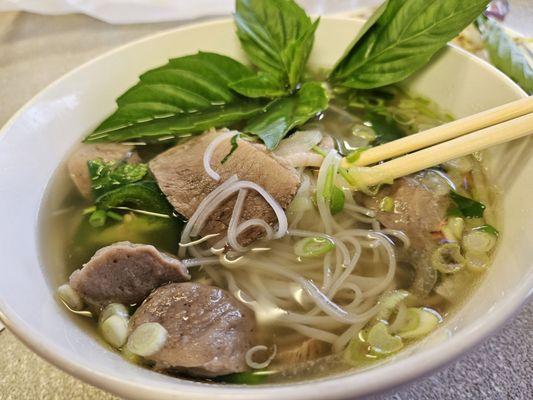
40	135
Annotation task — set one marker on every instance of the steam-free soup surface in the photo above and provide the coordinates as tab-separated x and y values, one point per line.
394	260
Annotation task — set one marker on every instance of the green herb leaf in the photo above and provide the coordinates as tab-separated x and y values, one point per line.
488	229
234	146
278	37
505	54
184	85
286	113
183	124
384	126
465	207
141	195
260	85
401	38
108	175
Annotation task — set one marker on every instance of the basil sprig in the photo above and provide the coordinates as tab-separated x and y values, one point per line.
401	38
197	92
277	36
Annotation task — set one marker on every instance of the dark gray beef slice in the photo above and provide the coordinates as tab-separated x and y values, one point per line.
77	163
209	330
125	273
418	212
181	176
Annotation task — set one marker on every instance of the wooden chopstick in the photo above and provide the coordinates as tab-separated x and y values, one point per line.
445	132
461	146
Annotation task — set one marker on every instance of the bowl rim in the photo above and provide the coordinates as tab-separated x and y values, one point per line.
380	379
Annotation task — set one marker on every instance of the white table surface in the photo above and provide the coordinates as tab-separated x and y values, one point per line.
36	50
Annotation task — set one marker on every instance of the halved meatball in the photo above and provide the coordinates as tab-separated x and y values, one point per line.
209	331
125	273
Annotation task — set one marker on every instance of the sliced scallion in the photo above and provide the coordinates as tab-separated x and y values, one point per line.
477	262
98	218
354	156
479	242
115	330
381	341
114	309
488	229
448	258
147	339
70	297
313	246
389	302
421	321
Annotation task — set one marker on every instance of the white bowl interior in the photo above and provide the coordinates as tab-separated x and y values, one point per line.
34	141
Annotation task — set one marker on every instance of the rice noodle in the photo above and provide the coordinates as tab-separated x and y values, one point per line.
324	298
208	154
250	353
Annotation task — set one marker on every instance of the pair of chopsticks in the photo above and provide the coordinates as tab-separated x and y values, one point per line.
447	142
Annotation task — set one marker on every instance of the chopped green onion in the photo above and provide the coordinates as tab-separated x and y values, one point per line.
386	204
329	184
354	156
347	177
456	226
357	352
70	297
147	339
343	171
389	301
333	195
89	210
466	207
114	215
479	241
114	309
98	218
488	229
381	341
420	322
319	151
336	204
477	262
234	146
313	246
115	330
448	258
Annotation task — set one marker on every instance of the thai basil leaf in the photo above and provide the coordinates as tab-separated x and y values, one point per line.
505	55
143	195
184	85
384	126
182	124
261	85
109	175
465	207
402	39
286	113
277	36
